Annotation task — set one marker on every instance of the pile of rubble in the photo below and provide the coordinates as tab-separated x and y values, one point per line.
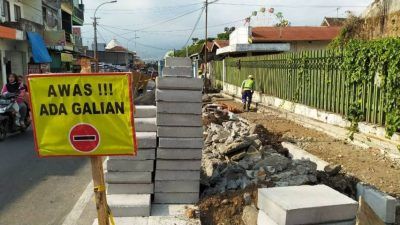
235	157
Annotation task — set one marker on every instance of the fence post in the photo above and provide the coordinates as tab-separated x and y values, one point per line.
223	73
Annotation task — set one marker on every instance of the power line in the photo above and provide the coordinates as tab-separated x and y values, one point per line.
195	26
152	9
292	6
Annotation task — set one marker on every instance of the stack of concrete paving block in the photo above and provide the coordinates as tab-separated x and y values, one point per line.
318	204
130	179
180	132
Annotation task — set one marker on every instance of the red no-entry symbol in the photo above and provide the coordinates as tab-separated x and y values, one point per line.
84	137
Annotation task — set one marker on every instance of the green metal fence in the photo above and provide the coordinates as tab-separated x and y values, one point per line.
312	78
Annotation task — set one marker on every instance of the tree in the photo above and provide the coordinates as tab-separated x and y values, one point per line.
225	35
282	21
195	40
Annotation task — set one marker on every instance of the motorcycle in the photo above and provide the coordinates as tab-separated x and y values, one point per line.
7	116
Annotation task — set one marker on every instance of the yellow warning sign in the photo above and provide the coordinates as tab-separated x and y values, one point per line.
82	114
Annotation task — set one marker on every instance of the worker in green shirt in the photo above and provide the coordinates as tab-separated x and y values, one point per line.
248	86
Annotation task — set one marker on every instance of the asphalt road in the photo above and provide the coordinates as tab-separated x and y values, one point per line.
35	191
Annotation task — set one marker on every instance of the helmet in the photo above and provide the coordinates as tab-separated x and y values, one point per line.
251	77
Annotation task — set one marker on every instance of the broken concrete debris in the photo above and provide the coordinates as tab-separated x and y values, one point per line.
234	157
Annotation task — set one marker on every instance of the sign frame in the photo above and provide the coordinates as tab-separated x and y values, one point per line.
131	113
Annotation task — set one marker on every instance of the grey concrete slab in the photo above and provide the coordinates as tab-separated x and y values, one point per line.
163	131
178	62
145	111
126	205
179	153
170	209
177	175
130	189
177	186
183	143
179	120
176	198
178	165
306	205
178	96
382	204
177	72
128	177
145	124
128	221
179	83
142	154
172	220
123	165
146	140
264	219
179	107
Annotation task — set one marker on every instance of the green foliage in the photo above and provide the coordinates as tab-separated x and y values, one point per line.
374	61
192	49
348	31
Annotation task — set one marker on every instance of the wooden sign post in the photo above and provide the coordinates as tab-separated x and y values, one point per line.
100	190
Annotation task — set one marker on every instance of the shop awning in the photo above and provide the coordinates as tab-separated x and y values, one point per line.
39	50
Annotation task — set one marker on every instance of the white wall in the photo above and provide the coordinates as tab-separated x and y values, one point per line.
240	36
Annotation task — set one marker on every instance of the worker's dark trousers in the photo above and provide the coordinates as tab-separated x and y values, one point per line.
246	98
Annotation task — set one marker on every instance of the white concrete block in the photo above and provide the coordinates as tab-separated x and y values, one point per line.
177	175
142	154
179	108
145	111
179	120
128	221
178	62
179	153
178	96
146	140
130	189
264	219
129	205
179	83
122	165
180	72
175	132
172	220
145	124
182	143
178	164
128	177
306	205
383	205
176	198
177	186
170	209
298	153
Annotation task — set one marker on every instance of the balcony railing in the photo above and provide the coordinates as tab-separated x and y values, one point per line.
25	25
78	14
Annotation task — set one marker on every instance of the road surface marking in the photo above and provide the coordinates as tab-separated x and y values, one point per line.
76	212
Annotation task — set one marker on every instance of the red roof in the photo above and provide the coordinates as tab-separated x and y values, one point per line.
287	34
209	46
221	43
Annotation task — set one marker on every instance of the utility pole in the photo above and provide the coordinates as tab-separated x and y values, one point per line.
205	44
96	63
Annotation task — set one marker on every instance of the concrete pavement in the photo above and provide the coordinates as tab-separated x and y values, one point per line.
36	191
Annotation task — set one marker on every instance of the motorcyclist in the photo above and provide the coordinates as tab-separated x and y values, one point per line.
15	87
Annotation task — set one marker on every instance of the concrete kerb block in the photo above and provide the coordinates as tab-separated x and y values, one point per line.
179	120
130	189
122	165
178	165
184	72
178	96
183	143
180	132
179	83
179	108
179	153
127	205
170	209
142	154
176	198
177	175
306	205
298	153
383	205
145	111
177	186
128	221
264	219
178	62
146	140
128	177
145	124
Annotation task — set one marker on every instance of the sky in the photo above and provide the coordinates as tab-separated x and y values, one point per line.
153	27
